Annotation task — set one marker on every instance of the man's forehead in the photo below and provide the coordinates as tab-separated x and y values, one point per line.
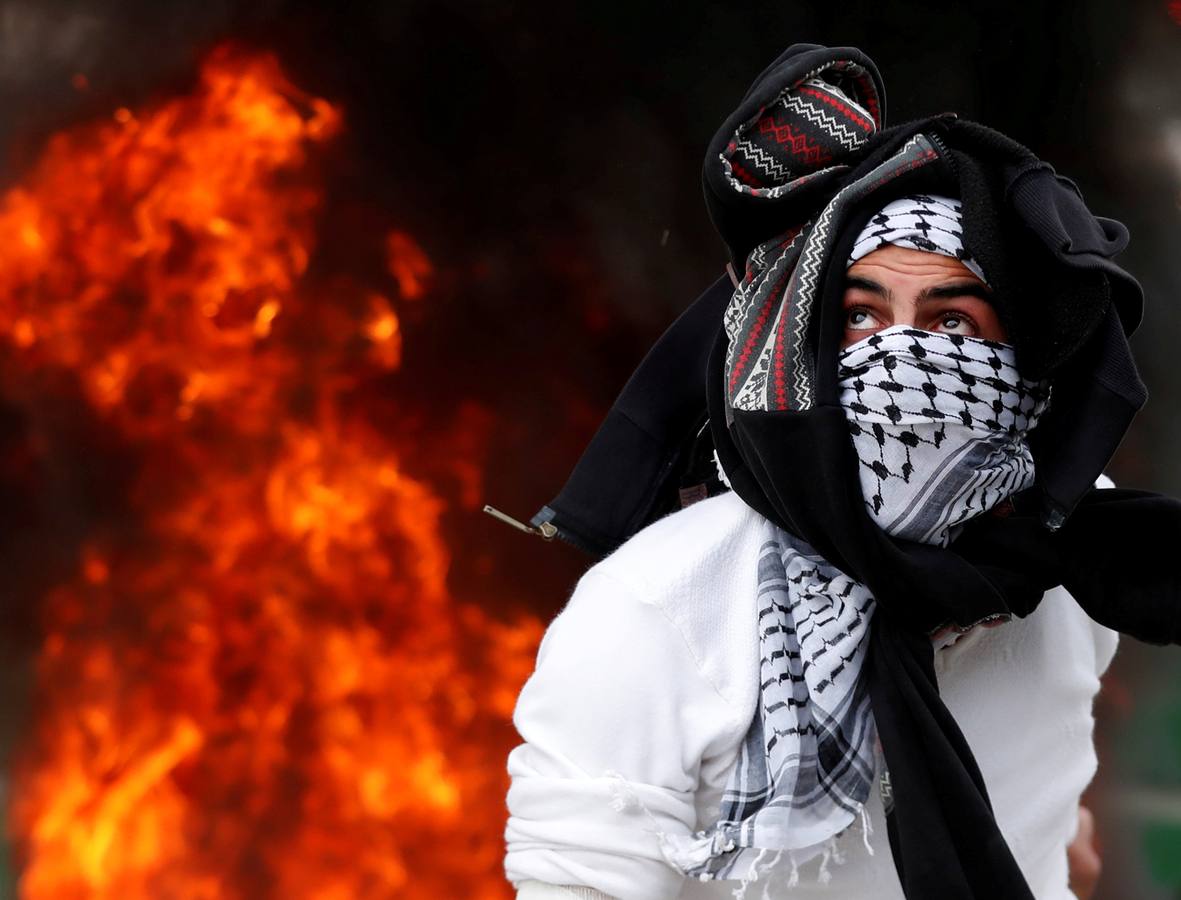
906	261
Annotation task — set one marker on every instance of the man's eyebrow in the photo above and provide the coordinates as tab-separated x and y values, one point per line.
865	284
959	289
939	292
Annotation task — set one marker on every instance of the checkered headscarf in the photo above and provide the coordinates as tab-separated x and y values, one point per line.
921	222
939	423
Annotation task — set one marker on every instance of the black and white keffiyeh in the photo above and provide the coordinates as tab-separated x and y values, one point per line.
939	424
806	765
928	222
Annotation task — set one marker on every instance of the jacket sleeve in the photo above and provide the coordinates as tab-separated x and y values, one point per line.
537	890
616	721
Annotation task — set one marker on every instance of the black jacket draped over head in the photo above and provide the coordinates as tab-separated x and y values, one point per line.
1067	308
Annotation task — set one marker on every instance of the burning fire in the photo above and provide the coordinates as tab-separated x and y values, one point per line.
256	685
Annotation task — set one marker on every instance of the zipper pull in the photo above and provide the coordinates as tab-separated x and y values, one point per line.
546	529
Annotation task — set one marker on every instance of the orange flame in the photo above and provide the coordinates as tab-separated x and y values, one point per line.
261	686
408	264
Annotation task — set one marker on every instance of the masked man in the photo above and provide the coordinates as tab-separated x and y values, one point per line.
910	393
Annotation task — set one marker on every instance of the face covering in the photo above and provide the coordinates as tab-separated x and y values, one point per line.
939	425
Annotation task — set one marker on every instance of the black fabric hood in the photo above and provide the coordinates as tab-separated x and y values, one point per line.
1067	305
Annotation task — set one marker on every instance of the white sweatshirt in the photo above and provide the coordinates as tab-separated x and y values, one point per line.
648	679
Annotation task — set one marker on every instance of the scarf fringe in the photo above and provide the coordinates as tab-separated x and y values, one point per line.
760	871
680	853
688	853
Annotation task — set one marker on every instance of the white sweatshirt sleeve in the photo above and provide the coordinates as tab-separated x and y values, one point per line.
617	719
536	890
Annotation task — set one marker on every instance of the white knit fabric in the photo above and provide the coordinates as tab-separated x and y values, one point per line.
647	682
538	890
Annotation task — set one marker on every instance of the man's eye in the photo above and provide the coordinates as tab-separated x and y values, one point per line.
953	323
858	320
